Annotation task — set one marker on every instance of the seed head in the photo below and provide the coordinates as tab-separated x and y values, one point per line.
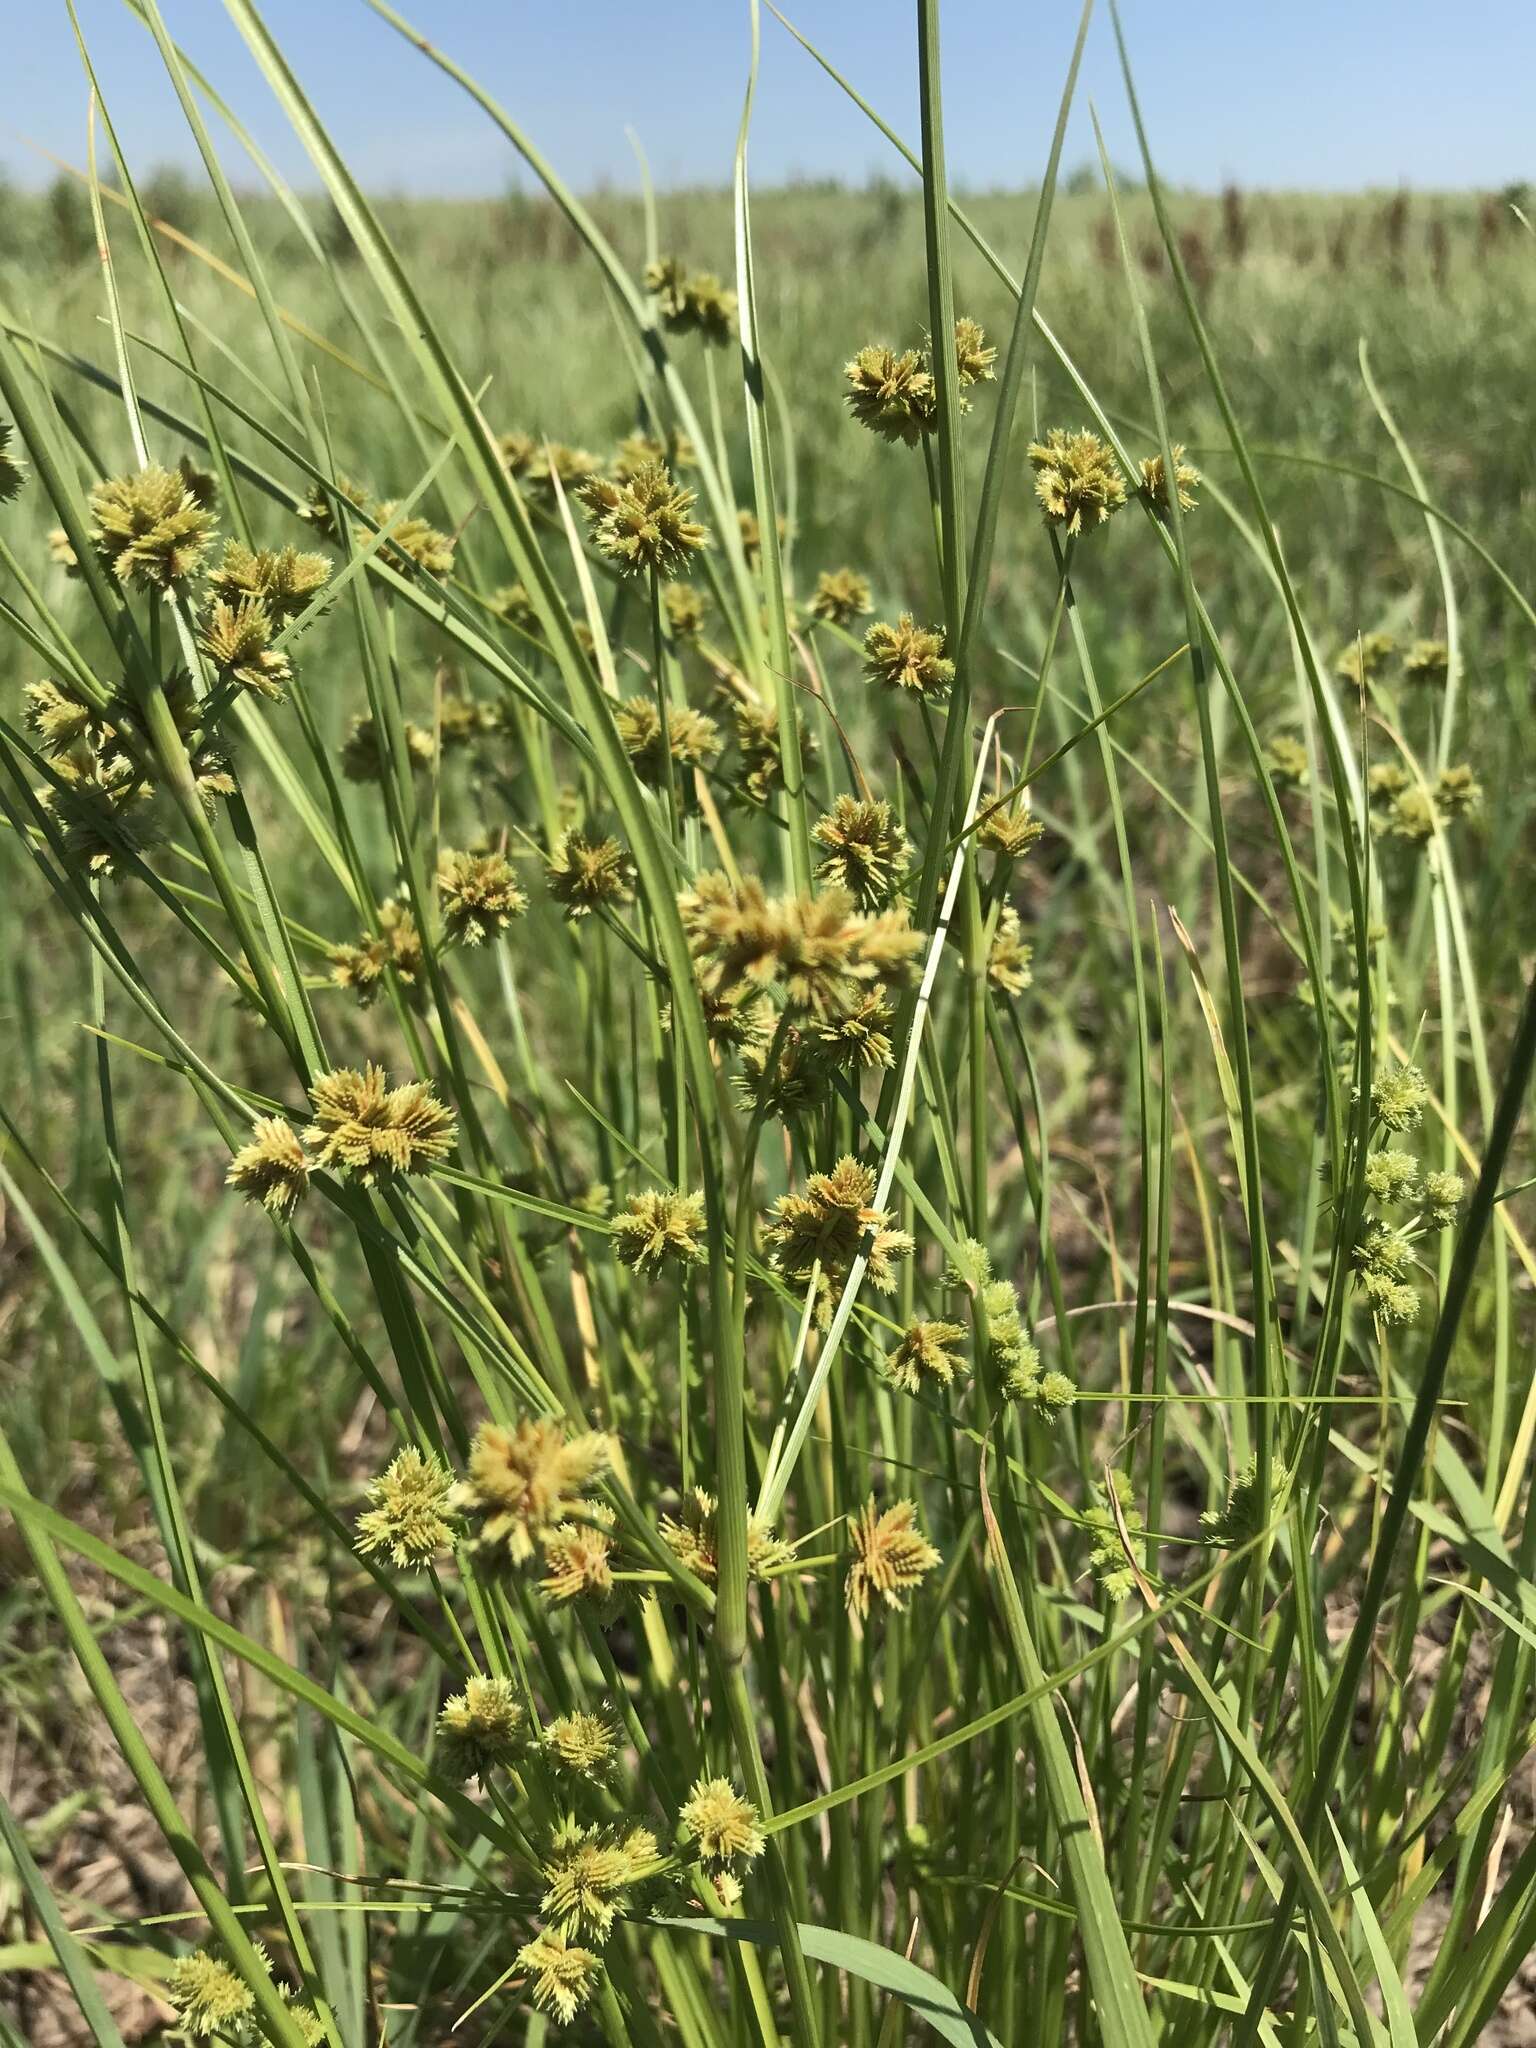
831	1223
237	638
408	1517
1457	791
1009	956
1391	1177
1154	482
553	462
973	355
908	657
578	1558
643	524
842	596
725	1826
923	1358
694	1539
363	755
1443	1194
209	1998
478	895
360	968
867	853
696	304
1077	479
527	1480
760	745
1398	1096
585	1745
586	872
685	611
893	395
414	543
365	1128
318	509
658	1228
272	1168
1427	662
564	1976
1365	658
13	472
588	1872
148	528
752	535
1286	759
479	1729
1385	1250
693	740
282	579
1238	1521
1393	1303
891	1555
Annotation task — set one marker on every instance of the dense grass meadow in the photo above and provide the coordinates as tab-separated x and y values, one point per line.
767	1222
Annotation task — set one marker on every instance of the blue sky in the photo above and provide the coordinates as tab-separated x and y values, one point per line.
1291	93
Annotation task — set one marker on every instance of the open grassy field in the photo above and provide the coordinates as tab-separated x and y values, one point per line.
908	1408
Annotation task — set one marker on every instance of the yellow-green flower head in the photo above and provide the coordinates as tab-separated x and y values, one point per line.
694	1539
1077	480
1457	791
563	1975
587	872
479	1730
891	1556
643	524
526	1480
725	1827
1237	1522
1443	1194
1010	954
925	1357
974	357
1386	783
761	747
1385	1250
273	1168
149	528
513	604
1286	759
1413	816
237	639
908	657
1107	1558
829	1225
588	1872
57	716
1393	1303
693	740
1398	1096
360	968
820	950
13	473
578	1558
842	596
857	1033
691	304
685	611
363	754
1010	831
893	395
371	1131
413	542
108	815
866	851
1365	658
282	579
409	1515
1154	480
478	895
1391	1177
585	1745
556	462
658	1228
667	282
208	1996
1427	662
318	509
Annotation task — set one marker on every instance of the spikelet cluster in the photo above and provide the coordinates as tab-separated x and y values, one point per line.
643	523
693	1537
586	873
890	1556
272	1167
691	302
824	1229
1107	1558
526	1480
365	1129
1078	480
908	659
659	1228
480	1730
864	851
409	1512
